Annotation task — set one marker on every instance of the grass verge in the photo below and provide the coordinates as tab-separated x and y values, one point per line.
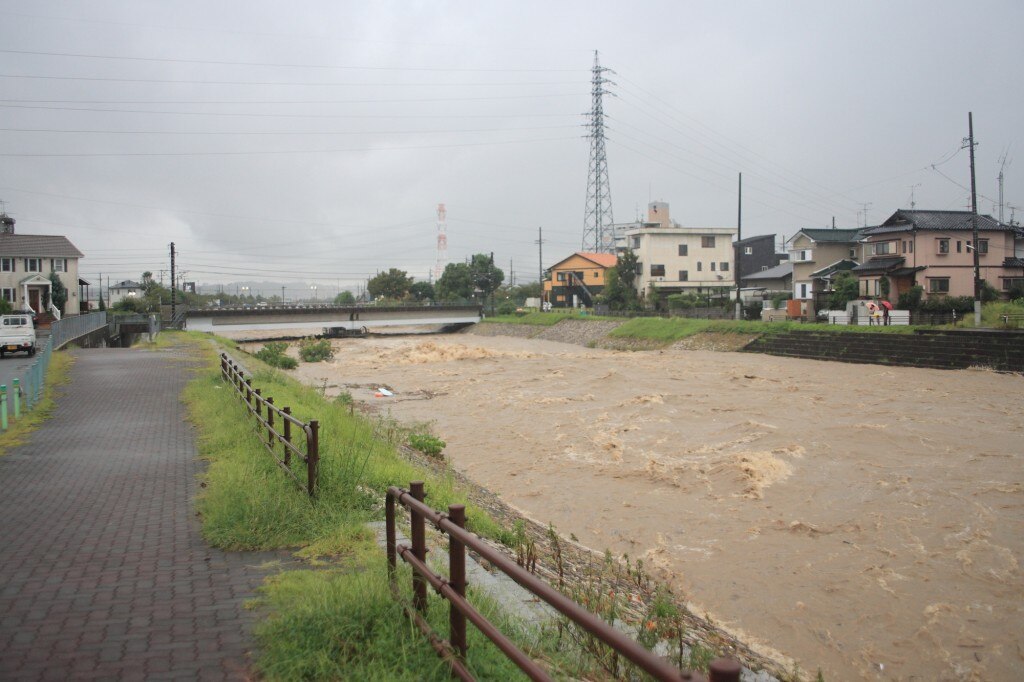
57	375
544	319
339	621
671	329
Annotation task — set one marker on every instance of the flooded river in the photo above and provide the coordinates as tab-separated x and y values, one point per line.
863	519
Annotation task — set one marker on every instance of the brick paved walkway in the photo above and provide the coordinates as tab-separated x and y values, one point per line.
103	572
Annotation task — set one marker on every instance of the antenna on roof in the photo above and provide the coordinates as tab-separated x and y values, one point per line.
912	202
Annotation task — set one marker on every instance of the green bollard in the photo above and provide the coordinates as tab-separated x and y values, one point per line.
3	406
17	399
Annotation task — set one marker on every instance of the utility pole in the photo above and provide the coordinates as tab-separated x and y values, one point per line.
1002	165
738	249
974	223
174	287
866	205
540	255
511	274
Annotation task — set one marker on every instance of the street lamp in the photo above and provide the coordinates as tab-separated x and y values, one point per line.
313	289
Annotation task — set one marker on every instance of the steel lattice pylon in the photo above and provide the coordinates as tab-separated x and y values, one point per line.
598	233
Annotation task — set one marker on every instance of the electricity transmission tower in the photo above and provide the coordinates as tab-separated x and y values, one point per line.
598	232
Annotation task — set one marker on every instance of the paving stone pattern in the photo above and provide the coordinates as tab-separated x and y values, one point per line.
103	572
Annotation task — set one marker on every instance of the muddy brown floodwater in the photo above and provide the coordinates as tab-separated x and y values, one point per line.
863	519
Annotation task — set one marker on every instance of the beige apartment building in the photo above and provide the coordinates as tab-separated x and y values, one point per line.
817	255
675	259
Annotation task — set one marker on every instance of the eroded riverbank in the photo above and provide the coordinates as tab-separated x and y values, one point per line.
864	519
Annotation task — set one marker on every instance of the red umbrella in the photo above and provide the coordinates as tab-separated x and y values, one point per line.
886	304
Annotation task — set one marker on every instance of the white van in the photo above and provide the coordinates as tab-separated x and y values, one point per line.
17	334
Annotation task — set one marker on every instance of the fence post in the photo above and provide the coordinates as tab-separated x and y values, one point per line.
389	529
287	436
724	670
3	406
270	423
17	400
248	392
257	398
457	580
312	457
419	547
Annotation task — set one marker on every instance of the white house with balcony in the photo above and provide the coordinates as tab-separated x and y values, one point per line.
674	259
816	254
124	289
26	261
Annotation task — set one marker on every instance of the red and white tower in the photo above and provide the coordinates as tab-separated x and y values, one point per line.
442	241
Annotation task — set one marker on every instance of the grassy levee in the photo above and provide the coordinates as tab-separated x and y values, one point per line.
539	319
57	375
335	619
670	329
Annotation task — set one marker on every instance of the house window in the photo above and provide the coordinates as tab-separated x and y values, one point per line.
958	249
938	285
942	246
712	266
904	245
853	252
33	265
881	248
1011	282
684	250
561	277
805	255
748	250
700	266
59	264
764	268
803	291
596	274
725	267
639	268
10	294
982	247
657	270
910	246
684	276
636	242
707	242
6	265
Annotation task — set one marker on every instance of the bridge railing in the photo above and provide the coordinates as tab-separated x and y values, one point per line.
272	418
67	329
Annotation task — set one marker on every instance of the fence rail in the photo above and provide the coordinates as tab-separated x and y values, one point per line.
453	589
270	417
26	388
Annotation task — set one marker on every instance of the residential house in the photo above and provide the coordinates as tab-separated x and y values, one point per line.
764	284
26	261
578	279
124	289
816	255
674	259
757	254
935	250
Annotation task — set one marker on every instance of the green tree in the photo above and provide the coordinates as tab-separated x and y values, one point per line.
344	298
619	292
101	305
486	276
455	282
626	269
422	291
58	292
392	284
844	290
5	307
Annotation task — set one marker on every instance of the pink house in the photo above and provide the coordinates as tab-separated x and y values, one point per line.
934	250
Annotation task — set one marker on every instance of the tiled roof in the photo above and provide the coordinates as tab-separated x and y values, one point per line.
607	260
828	235
1013	262
838	266
37	246
879	265
780	271
747	240
127	284
938	221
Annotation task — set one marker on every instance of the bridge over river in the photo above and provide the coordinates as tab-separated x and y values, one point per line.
330	319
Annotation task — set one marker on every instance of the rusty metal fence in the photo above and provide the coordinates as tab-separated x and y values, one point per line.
453	589
278	423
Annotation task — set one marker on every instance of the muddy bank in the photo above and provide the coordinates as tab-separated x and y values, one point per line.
868	520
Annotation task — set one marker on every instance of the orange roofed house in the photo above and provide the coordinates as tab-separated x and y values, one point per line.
577	280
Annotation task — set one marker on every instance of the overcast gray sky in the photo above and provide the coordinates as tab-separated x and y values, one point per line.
310	143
